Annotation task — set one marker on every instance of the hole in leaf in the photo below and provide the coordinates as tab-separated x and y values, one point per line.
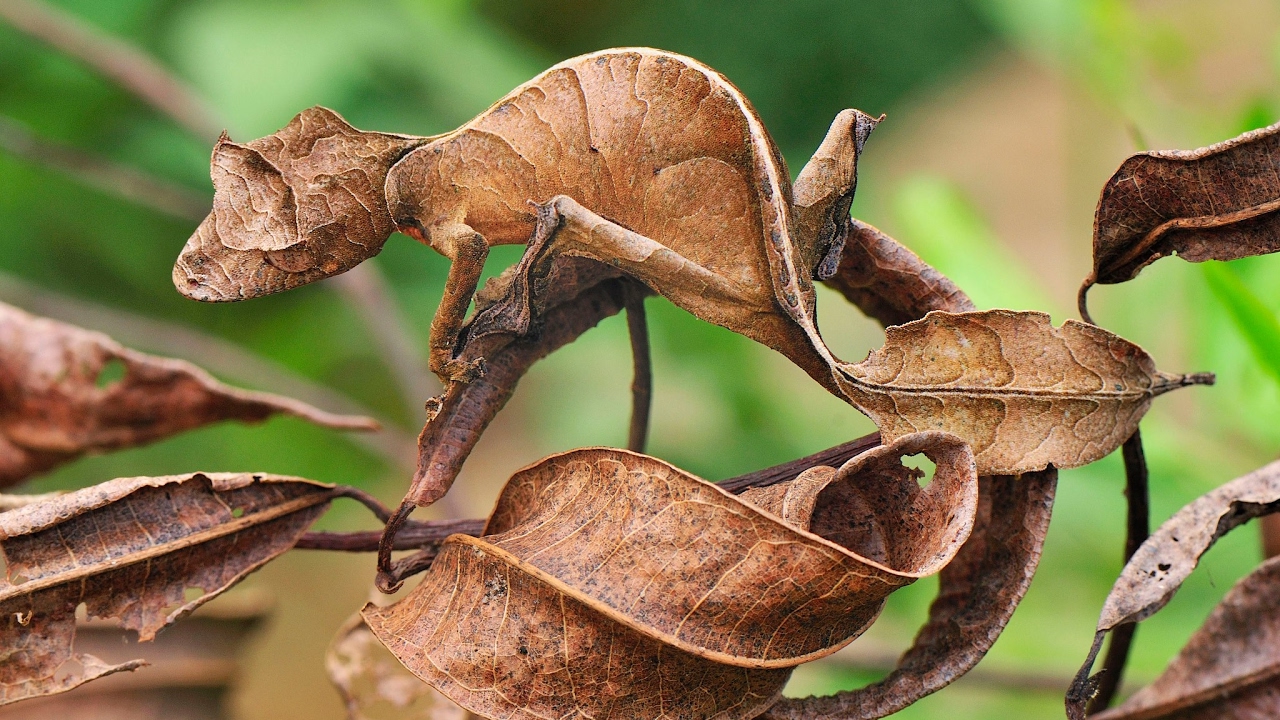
922	466
111	373
192	593
237	512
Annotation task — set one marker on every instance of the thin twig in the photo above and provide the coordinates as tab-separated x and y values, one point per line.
833	456
126	65
1138	529
642	374
220	356
412	537
104	175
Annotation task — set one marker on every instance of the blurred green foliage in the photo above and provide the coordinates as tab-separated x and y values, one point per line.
723	405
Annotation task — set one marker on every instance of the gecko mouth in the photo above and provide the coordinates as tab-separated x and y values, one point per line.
209	271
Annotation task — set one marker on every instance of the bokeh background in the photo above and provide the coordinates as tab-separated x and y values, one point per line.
1005	117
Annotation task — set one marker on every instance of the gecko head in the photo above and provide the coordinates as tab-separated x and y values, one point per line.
296	206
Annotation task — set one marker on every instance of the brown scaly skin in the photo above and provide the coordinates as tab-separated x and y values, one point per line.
641	159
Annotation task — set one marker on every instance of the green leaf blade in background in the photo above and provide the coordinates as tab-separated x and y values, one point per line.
1256	322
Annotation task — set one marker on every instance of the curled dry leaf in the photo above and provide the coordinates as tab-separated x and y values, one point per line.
1215	203
978	592
1229	669
58	399
982	586
375	686
1160	566
129	549
890	283
1022	393
620	581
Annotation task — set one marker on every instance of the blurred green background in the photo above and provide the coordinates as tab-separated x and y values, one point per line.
1005	118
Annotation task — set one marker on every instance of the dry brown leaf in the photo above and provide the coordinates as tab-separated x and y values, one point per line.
1229	669
982	586
58	401
1022	393
192	667
1215	203
130	549
890	283
375	686
621	581
1160	566
979	590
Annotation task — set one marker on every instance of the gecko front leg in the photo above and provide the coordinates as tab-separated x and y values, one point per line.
467	251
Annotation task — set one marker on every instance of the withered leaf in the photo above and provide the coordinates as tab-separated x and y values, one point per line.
1160	566
129	549
58	401
1167	558
1022	393
375	686
978	592
890	283
982	586
620	581
192	667
1215	203
1229	669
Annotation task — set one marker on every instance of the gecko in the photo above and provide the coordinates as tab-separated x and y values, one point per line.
644	160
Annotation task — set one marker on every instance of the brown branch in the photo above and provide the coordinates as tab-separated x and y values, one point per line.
104	175
642	373
833	456
1138	529
414	536
129	67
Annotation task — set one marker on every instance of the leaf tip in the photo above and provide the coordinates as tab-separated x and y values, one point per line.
1166	382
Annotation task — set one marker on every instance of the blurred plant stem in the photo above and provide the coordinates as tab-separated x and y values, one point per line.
123	63
363	287
127	183
1138	528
